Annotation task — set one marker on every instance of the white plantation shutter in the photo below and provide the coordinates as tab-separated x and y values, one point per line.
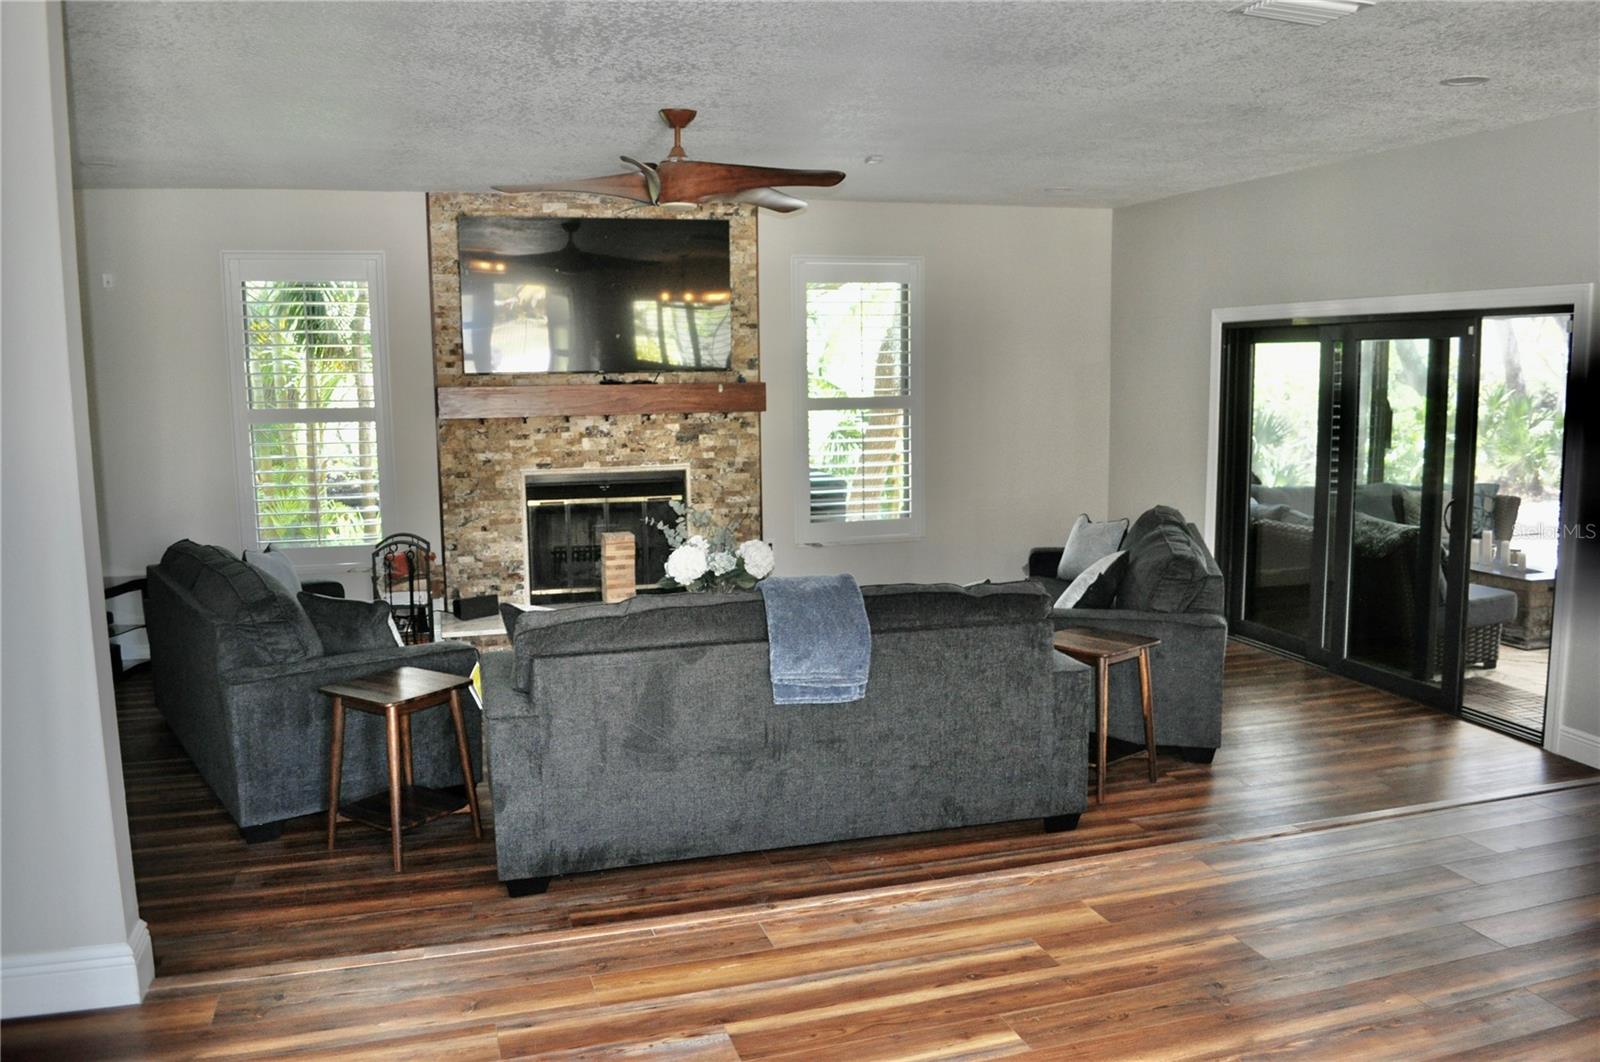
309	399
859	330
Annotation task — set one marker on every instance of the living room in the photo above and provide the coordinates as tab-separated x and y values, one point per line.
1082	210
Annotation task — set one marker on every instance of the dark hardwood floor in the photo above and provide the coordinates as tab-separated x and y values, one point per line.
1355	875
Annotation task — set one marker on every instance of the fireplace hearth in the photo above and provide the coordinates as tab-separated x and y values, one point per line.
567	513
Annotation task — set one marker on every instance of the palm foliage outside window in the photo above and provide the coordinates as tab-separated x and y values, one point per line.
309	413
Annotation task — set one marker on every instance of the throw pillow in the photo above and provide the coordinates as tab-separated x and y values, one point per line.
274	566
349	626
1097	586
1410	505
1087	542
510	612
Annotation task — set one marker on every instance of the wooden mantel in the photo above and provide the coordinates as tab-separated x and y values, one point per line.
578	400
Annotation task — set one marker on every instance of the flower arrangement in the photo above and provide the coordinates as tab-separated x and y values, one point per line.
704	556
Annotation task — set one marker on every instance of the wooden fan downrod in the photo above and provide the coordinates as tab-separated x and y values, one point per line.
677	118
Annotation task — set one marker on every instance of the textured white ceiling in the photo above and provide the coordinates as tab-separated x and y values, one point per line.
1071	102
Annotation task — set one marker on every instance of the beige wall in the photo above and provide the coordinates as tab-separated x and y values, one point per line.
1514	208
1016	318
159	374
1017	374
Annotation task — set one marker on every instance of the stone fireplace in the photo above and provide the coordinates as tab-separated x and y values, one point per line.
492	465
567	513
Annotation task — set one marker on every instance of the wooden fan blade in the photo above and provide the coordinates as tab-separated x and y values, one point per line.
652	181
690	180
621	185
766	198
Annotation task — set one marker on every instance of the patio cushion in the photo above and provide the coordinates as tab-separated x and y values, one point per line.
1489	604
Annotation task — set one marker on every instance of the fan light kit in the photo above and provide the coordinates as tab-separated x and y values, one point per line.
678	182
1303	12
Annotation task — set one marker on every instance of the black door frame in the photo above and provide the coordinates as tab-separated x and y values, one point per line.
1340	337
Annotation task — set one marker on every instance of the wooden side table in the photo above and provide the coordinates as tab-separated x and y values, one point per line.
397	695
1102	649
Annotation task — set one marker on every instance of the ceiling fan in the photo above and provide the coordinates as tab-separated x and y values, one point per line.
681	182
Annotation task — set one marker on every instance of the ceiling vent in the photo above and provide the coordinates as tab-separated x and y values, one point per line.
1303	12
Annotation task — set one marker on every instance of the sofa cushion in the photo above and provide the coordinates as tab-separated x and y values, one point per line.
1165	572
349	626
1087	542
1213	593
1373	537
1097	586
1172	571
510	612
1301	499
1152	518
682	621
257	621
1384	501
896	607
1283	514
185	560
1490	604
1052	586
272	633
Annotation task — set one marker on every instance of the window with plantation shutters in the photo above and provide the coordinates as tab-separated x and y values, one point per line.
859	332
309	399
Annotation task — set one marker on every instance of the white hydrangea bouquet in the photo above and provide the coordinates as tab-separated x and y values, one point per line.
704	556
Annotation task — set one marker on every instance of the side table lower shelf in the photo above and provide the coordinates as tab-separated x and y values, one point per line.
419	804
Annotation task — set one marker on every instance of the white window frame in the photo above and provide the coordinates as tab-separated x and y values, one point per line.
241	266
826	269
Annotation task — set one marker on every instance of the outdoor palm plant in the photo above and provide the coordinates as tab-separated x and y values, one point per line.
310	348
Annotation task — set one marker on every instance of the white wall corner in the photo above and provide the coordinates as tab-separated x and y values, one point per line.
91	977
1578	745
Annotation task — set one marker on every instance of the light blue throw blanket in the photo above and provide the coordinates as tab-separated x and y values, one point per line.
819	643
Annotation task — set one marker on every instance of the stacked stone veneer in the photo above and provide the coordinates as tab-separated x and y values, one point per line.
483	463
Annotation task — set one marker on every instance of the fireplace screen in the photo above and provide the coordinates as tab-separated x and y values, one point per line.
568	513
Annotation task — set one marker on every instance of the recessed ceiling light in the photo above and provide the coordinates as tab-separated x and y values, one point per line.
873	160
1303	12
1465	79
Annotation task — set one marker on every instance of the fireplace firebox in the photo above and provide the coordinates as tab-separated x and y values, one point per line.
567	513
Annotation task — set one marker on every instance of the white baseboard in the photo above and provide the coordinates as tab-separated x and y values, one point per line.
84	978
1578	745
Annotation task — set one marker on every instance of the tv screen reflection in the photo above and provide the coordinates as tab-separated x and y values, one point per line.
598	295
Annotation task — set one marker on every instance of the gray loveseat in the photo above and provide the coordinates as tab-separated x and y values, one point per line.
1186	668
645	731
237	667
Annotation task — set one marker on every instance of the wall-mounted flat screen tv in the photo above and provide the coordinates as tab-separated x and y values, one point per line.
606	295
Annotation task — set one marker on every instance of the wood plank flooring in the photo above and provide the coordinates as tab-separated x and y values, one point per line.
1420	936
1355	875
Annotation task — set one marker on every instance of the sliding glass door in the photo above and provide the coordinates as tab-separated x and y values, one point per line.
1398	516
1282	373
1341	470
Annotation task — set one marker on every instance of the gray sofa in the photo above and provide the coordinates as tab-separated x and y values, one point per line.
645	731
237	667
1185	669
